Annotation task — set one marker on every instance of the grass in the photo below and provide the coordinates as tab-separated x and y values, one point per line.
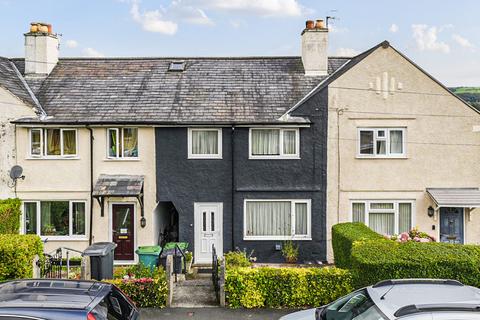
460	90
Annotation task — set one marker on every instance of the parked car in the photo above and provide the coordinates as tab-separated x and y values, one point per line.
409	299
56	299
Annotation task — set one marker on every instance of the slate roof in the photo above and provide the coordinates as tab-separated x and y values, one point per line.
118	185
13	81
455	197
142	90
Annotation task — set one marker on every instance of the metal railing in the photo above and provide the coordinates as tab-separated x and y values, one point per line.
56	265
215	273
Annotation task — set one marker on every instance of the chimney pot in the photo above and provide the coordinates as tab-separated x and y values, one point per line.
319	24
310	24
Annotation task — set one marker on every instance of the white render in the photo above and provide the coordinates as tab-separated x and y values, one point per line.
314	51
41	53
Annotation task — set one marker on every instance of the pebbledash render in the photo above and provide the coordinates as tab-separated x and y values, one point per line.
234	152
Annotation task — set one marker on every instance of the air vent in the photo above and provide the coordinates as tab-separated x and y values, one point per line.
177	66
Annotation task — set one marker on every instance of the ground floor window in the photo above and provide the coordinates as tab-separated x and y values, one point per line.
384	217
277	219
54	218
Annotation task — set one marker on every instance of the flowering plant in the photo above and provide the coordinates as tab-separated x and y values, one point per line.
413	235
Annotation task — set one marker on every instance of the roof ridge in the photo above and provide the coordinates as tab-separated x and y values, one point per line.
185	58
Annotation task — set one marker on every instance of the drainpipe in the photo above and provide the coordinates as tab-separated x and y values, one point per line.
232	149
90	237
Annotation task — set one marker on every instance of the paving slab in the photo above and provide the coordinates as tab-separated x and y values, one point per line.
212	314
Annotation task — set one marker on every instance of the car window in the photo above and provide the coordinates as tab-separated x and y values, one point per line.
355	306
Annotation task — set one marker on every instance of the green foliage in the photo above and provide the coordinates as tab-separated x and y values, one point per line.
290	251
236	259
344	235
147	288
10	216
17	253
373	261
285	287
469	94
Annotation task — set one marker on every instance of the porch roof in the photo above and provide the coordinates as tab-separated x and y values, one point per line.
118	186
455	197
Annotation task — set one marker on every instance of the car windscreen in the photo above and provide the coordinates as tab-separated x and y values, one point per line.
355	306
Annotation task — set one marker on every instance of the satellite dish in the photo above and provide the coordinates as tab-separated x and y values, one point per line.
16	172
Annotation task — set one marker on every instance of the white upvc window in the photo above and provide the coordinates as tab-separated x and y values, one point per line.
274	143
122	143
204	143
381	143
386	217
53	143
273	219
55	219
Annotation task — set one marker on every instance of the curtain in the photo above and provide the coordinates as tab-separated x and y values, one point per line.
381	147
130	142
289	141
36	142
268	218
112	143
358	212
396	141
405	217
78	218
265	141
383	223
69	142
301	216
53	142
377	205
366	142
30	209
205	142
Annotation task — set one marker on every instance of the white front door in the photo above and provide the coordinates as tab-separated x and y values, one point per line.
208	230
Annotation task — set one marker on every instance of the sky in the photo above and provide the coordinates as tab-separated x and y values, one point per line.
443	37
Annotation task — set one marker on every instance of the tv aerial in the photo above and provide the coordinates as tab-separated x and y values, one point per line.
16	172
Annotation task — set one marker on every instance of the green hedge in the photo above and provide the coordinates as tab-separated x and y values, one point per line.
10	211
285	287
343	237
373	261
16	255
147	288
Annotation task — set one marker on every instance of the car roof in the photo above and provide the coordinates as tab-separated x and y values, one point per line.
49	293
390	296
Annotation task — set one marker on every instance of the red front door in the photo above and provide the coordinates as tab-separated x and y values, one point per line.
123	231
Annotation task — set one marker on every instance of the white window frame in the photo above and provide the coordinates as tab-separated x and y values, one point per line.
395	210
70	235
44	143
293	236
386	138
119	141
281	155
218	155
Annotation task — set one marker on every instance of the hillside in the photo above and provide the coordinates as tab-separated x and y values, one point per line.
469	94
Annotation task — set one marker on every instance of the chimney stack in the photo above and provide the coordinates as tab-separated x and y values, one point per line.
41	50
314	48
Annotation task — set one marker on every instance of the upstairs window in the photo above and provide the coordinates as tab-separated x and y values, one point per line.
122	143
204	143
53	142
272	143
381	142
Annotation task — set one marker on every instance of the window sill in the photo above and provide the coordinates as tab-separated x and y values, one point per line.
273	158
212	157
276	238
62	238
53	158
381	157
121	159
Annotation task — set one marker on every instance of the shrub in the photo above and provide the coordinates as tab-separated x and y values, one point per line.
147	288
237	259
290	251
285	287
343	237
10	216
373	261
16	255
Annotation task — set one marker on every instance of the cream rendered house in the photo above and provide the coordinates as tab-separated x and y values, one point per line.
402	150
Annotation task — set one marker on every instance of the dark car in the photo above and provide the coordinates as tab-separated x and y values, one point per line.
52	299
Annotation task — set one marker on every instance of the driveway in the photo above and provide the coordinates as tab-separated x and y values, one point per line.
212	314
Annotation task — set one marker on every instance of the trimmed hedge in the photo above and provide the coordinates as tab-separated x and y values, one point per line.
344	235
373	261
10	211
147	288
285	287
16	255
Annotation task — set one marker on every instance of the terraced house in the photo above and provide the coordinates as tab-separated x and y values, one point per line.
243	152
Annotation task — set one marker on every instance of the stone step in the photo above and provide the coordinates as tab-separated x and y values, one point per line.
197	293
